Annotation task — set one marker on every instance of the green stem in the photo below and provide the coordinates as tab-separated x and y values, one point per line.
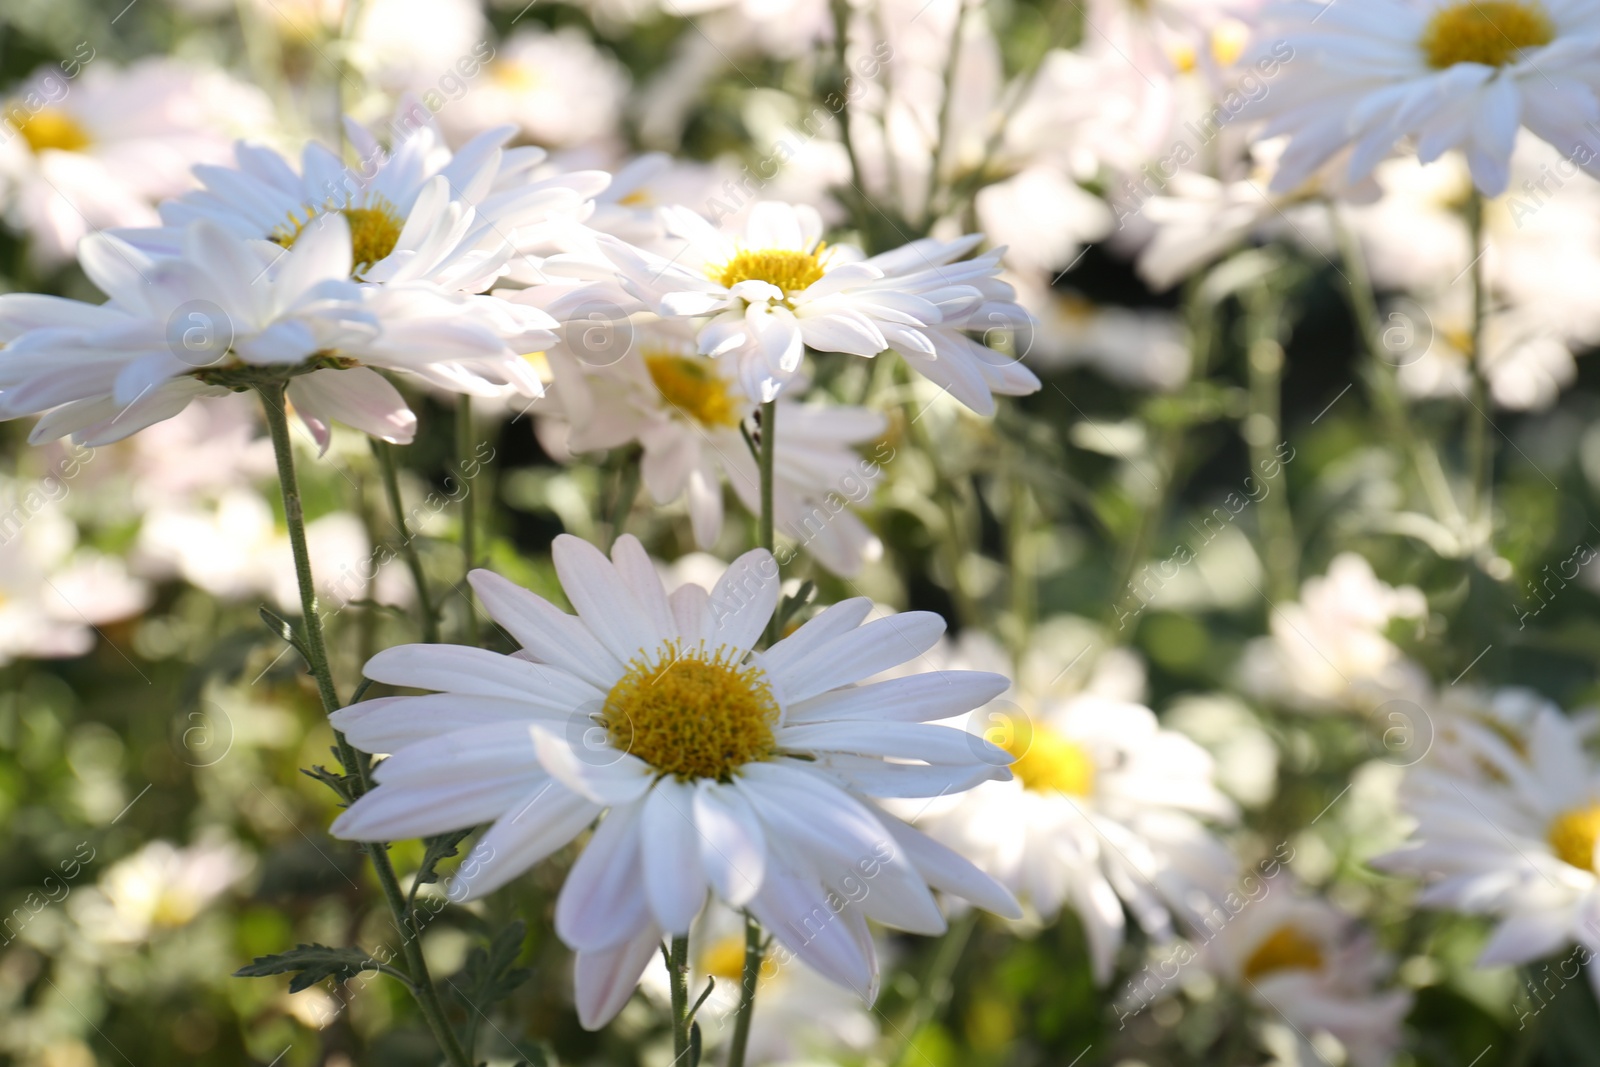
765	535
628	479
936	987
1480	452
272	403
408	546
678	971
755	952
1263	431
465	454
1384	383
1020	552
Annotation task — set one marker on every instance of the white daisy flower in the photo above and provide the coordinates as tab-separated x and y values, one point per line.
160	887
1329	650
715	767
1302	960
556	88
416	212
52	593
686	412
768	293
83	148
1444	74
1103	812
175	328
1511	836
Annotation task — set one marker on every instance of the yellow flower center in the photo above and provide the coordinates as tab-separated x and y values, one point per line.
1491	32
693	713
1285	949
723	960
1572	835
374	231
693	387
786	268
1046	762
51	128
515	77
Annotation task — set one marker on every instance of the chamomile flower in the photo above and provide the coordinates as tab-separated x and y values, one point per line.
1330	650
712	767
1511	834
1444	74
1305	962
416	211
175	328
769	292
686	413
1103	811
85	146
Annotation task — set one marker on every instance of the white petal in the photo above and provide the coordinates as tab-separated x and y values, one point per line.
733	848
593	768
543	629
861	653
603	901
675	881
744	598
605	978
604	601
546	819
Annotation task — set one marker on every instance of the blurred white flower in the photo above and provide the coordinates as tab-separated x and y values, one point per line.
556	88
160	887
1440	73
97	148
53	594
1301	959
1104	811
234	548
1328	650
1138	347
1510	832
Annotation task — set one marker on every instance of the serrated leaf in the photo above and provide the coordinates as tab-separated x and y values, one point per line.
490	974
339	783
310	964
438	850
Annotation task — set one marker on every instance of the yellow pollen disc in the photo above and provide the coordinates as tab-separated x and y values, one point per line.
638	198
1285	949
1049	763
723	960
693	387
1228	40
51	128
515	77
1491	32
786	268
693	713
1572	835
374	231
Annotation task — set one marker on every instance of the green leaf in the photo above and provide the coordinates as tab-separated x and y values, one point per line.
439	848
792	604
282	627
310	964
490	975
